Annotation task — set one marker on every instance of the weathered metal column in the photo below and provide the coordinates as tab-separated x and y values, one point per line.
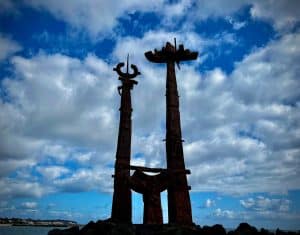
121	206
150	187
179	205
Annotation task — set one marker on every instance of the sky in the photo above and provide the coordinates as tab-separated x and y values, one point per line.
239	104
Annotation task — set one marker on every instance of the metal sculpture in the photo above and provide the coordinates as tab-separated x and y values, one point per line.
179	205
173	179
121	207
150	187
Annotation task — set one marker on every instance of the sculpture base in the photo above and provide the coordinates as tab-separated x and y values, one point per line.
108	228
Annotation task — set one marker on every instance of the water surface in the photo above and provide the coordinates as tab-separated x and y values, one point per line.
25	230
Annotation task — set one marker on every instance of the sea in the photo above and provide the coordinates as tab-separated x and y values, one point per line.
25	230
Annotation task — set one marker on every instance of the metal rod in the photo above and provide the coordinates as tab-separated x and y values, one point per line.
175	43
127	62
157	170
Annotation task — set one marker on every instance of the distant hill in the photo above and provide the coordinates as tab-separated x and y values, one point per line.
32	222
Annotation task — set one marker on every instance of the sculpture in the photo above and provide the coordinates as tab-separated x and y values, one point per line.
179	205
173	179
121	207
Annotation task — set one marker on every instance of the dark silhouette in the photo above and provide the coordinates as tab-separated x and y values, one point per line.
121	206
174	177
179	205
150	187
108	228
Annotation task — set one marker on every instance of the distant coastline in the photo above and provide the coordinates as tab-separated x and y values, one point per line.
32	222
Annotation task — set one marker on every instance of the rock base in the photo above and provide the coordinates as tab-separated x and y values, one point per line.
110	228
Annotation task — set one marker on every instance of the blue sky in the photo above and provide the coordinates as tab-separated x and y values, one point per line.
239	106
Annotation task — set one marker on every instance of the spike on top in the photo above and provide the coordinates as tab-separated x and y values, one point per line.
170	53
127	63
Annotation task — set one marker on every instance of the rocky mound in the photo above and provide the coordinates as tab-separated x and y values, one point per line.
110	228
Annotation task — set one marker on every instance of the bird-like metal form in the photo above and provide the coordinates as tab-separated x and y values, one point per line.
179	204
121	207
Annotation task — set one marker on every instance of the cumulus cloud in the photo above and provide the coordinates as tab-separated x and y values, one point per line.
282	14
209	203
237	127
8	47
29	205
261	203
59	108
58	98
244	126
52	172
13	188
260	210
97	17
237	140
228	214
241	129
86	180
59	116
236	24
151	88
253	215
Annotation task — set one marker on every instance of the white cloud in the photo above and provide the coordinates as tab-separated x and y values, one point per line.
257	217
52	172
8	47
12	188
66	109
259	210
228	214
283	14
29	205
236	24
9	165
247	203
97	17
151	88
218	8
152	148
84	180
209	203
261	203
57	98
57	151
241	129
59	108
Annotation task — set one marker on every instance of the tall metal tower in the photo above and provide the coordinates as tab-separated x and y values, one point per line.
179	204
121	207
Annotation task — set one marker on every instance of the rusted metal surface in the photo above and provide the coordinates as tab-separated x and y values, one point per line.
168	53
179	205
174	177
158	170
150	187
121	207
